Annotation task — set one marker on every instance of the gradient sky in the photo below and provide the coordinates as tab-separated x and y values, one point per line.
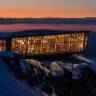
48	8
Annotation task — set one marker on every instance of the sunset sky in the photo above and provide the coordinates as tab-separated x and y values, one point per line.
48	8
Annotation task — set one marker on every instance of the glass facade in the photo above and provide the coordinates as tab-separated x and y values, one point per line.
2	44
61	43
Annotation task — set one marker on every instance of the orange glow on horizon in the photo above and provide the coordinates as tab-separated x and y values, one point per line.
41	14
48	8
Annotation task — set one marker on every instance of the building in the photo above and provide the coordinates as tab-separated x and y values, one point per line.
44	44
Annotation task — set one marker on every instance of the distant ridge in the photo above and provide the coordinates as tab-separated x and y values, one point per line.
87	20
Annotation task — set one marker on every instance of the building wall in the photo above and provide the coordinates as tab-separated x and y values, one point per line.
8	44
91	46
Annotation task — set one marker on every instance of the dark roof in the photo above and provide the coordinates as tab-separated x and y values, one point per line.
5	35
37	32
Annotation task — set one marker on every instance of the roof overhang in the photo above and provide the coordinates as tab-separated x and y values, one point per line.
38	32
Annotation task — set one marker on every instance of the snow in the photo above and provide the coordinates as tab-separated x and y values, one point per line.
56	69
6	54
25	65
85	61
61	64
10	86
89	61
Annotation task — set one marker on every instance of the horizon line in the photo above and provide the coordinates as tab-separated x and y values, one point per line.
48	17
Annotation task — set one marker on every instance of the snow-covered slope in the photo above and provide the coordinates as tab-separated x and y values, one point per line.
10	86
83	61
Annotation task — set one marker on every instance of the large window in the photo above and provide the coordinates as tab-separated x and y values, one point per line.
73	42
2	45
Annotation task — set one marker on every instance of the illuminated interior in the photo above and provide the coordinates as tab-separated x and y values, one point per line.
2	44
61	43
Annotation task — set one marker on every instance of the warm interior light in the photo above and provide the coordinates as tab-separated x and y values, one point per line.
45	41
34	41
50	44
28	42
22	42
81	46
32	48
0	49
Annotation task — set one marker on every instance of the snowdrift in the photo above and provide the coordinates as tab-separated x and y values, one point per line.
10	86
